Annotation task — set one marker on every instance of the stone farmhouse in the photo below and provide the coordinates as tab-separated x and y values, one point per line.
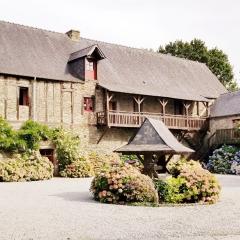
225	118
102	91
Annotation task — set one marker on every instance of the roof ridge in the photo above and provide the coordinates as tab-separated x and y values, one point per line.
231	93
27	26
84	48
115	44
144	50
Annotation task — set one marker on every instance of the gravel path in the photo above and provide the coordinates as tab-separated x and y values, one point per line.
62	209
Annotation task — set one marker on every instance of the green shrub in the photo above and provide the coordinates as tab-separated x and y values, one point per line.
9	141
171	190
221	159
67	147
79	168
26	168
28	137
190	183
123	184
32	133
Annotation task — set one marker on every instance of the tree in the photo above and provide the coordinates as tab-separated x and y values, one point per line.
215	59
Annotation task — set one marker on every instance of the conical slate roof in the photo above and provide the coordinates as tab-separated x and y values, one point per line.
154	136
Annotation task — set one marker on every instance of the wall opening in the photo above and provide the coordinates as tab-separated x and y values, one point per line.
23	96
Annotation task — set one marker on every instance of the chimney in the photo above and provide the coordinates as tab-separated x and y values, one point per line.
73	35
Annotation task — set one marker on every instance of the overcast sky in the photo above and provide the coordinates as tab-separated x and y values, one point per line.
138	23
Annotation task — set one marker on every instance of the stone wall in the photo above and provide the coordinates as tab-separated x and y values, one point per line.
222	123
58	103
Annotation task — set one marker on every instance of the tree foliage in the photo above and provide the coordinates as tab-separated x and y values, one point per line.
215	59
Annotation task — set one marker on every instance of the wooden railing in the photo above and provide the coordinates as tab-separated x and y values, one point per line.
225	136
135	119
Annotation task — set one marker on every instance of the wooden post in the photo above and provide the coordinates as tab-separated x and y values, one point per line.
207	109
109	96
149	165
163	103
139	100
206	105
198	110
187	105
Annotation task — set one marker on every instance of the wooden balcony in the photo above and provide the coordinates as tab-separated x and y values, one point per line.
135	119
225	136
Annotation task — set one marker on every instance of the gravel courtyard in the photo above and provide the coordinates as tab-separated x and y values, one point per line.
63	209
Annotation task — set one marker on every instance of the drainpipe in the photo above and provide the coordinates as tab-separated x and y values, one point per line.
33	102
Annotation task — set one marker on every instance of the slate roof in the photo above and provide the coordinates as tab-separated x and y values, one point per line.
154	136
227	104
28	51
86	52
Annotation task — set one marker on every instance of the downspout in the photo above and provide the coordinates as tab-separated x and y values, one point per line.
33	110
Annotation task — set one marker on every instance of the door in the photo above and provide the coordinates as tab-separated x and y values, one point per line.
49	153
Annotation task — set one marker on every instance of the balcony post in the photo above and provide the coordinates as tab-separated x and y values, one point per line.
187	105
139	100
163	103
108	99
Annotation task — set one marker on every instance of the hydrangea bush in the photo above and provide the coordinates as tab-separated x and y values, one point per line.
224	160
26	168
190	183
235	166
79	168
123	184
175	167
103	161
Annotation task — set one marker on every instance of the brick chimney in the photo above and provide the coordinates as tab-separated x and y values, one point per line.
73	35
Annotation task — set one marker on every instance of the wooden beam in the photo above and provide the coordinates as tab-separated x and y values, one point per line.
198	110
139	100
163	103
102	135
140	158
206	105
109	97
187	106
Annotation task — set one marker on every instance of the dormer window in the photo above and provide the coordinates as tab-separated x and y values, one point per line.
90	69
83	63
89	66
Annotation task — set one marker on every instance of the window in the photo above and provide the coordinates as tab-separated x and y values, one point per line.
23	96
88	104
236	123
89	66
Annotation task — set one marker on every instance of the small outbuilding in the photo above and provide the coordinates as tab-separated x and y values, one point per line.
225	120
154	141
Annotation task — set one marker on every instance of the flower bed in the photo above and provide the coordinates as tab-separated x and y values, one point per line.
123	184
225	160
